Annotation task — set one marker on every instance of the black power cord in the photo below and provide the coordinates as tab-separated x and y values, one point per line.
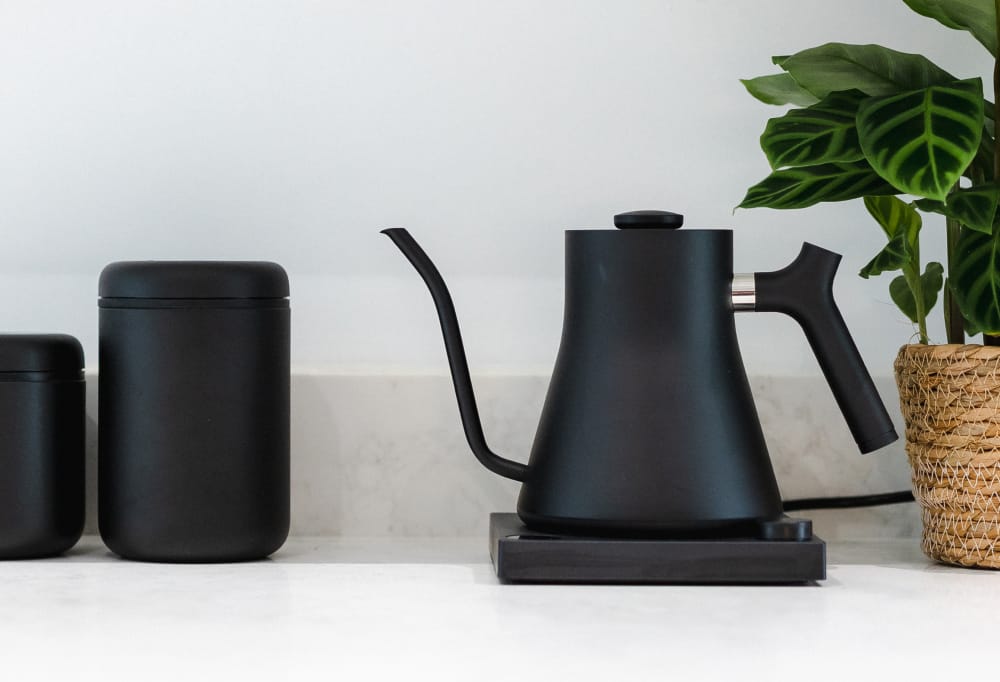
848	502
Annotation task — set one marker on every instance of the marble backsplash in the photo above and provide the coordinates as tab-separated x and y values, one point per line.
377	455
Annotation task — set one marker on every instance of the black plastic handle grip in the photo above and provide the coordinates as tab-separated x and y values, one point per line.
804	290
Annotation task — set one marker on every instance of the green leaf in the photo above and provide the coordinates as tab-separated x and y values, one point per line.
923	140
894	216
809	185
872	69
930	281
894	256
901	224
899	292
984	156
780	89
973	207
931	206
822	133
975	279
978	17
969	328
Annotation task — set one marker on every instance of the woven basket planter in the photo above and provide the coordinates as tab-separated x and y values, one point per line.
950	398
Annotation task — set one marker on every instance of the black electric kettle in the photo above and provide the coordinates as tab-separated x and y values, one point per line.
649	426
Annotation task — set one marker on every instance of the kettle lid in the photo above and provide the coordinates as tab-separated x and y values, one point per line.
648	220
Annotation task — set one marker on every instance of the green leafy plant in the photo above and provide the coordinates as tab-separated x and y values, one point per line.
906	137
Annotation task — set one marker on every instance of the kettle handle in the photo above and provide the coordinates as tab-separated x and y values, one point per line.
804	291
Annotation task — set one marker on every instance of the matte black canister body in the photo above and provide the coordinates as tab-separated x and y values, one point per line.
194	410
42	427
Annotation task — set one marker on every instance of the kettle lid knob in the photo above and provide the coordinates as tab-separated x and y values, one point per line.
648	220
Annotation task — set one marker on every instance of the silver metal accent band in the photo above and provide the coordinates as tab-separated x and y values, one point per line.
744	291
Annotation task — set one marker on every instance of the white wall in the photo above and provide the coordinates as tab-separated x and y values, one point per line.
293	130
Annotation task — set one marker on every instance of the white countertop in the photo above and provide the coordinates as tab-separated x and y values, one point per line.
352	609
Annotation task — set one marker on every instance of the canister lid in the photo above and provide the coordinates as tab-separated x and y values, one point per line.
193	279
56	353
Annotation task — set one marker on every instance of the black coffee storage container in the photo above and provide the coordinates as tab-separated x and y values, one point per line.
41	444
194	410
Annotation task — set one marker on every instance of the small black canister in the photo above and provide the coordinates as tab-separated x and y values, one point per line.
41	444
193	461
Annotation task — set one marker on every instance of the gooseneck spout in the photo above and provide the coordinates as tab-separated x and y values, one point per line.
456	357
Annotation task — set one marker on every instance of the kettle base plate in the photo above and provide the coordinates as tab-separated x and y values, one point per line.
521	555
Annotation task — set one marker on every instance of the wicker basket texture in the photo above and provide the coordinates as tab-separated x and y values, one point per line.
950	399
